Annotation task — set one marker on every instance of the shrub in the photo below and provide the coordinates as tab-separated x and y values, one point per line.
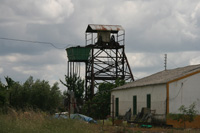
186	114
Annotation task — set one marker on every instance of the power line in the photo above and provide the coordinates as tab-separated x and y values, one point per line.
172	63
21	40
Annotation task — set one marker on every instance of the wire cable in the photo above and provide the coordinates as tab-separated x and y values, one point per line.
21	40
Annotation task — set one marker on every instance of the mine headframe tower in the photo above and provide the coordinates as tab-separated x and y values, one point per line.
104	56
108	61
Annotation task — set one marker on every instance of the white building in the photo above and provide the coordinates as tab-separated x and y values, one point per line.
163	92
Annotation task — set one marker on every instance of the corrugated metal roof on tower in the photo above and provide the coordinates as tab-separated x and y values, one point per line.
109	28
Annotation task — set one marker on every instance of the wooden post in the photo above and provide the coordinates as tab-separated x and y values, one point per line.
69	105
112	109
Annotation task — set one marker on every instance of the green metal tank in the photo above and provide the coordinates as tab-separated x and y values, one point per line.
78	54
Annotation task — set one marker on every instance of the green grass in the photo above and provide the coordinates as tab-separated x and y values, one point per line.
31	122
41	122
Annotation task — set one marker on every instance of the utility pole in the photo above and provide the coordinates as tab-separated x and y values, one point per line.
165	63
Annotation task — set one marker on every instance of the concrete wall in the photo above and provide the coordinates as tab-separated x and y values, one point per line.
158	98
184	92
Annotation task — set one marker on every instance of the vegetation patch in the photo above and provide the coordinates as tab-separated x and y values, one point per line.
30	121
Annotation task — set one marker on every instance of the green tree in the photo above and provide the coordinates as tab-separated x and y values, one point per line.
76	84
3	95
40	95
13	91
99	106
35	94
16	96
186	114
9	82
55	97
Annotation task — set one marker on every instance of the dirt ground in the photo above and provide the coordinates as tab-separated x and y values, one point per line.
124	129
163	130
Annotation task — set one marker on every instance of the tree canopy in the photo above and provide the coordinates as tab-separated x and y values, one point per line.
31	94
99	106
75	84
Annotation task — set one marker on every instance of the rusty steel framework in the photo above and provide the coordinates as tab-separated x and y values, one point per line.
104	57
108	61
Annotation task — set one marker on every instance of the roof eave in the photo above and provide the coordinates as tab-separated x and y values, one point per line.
125	88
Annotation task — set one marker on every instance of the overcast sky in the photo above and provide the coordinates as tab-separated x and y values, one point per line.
153	28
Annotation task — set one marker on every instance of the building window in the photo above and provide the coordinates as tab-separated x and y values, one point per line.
116	107
134	105
149	101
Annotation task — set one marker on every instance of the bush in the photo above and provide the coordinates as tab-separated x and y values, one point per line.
186	114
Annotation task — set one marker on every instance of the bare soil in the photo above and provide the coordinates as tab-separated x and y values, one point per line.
124	129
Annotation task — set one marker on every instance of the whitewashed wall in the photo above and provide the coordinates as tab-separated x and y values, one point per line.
184	92
158	98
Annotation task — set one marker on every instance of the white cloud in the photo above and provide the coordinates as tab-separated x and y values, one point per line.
144	64
152	27
1	69
179	59
11	58
195	13
36	11
25	70
139	60
139	75
195	60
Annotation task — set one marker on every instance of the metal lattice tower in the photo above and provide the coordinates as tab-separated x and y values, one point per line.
104	56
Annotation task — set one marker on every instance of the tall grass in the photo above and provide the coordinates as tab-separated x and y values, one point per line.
30	121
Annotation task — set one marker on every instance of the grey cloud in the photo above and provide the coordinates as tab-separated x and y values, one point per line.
153	28
37	11
51	57
9	47
59	34
141	67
